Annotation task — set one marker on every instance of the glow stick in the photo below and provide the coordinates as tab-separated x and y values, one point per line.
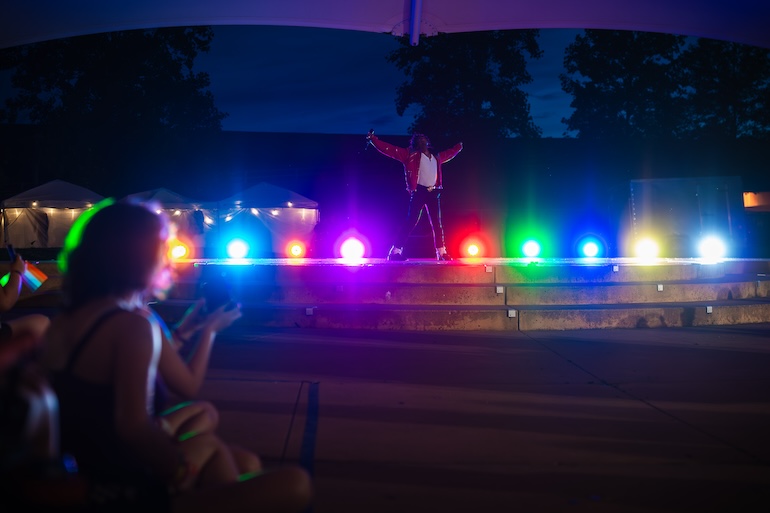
33	277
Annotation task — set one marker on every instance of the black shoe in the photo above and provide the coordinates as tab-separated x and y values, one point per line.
444	257
396	257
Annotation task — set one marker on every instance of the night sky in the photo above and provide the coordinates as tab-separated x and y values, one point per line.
312	80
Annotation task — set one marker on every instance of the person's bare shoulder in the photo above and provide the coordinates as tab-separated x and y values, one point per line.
135	339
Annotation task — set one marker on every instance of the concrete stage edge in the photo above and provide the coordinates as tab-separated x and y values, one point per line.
486	294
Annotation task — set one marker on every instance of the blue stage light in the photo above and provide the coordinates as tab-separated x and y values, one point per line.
591	246
237	248
590	249
712	248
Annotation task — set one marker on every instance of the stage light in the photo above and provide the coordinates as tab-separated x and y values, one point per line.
295	249
351	245
646	248
591	246
352	249
590	249
531	249
178	250
237	248
473	247
712	248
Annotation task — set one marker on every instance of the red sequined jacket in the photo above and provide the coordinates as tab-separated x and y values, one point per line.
411	160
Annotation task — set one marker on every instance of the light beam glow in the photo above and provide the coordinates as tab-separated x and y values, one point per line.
531	248
352	249
647	249
237	248
296	249
712	248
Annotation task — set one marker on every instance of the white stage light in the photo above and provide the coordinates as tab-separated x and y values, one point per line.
712	248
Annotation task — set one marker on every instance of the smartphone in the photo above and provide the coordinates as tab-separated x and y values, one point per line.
216	292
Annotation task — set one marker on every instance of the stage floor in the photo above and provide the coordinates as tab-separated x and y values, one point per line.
588	262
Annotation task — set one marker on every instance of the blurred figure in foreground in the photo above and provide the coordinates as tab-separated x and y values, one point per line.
103	351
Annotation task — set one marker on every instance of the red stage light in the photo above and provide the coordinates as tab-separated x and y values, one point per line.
472	247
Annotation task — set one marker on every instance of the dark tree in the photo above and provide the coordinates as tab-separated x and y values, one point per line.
468	84
116	103
623	84
727	88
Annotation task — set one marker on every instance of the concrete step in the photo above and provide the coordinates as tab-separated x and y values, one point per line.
493	295
471	318
644	292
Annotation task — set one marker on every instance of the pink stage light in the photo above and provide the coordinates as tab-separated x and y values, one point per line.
352	249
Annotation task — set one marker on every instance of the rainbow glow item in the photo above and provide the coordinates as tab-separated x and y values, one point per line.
33	277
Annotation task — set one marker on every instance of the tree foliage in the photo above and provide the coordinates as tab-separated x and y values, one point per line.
623	84
727	90
645	85
468	84
112	102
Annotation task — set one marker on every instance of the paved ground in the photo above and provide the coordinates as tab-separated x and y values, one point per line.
663	420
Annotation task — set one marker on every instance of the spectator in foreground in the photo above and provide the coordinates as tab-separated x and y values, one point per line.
102	352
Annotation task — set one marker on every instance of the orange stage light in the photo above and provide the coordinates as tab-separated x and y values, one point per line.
296	249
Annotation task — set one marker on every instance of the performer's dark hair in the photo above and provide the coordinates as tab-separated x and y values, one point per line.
413	140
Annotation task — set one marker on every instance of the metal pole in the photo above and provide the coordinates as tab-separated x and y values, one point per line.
415	20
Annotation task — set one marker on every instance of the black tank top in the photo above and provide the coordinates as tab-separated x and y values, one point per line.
87	430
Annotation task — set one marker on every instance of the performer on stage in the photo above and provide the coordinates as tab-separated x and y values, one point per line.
422	170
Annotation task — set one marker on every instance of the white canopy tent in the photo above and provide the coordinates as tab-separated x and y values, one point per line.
285	214
42	216
742	21
192	218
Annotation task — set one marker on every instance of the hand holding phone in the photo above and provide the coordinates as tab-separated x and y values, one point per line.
216	292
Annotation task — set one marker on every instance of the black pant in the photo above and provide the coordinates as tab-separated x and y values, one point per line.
421	199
